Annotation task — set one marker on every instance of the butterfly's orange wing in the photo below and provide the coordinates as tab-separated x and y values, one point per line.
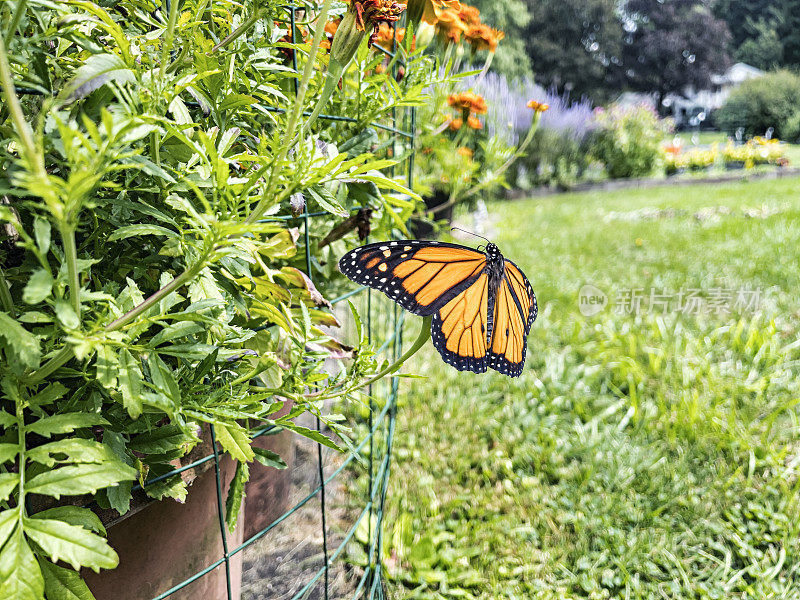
420	276
513	312
473	326
460	328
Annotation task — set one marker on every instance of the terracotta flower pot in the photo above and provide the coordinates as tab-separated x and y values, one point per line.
166	542
162	544
267	491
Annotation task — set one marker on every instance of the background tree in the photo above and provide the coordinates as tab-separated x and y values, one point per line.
512	17
672	44
764	50
789	32
756	28
576	46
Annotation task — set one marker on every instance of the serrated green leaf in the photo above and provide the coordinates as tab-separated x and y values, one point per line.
63	584
119	496
107	367
268	458
327	201
41	231
311	434
66	423
20	576
233	503
66	315
8	483
8	452
38	287
75	450
171	487
130	383
174	331
95	72
48	395
72	544
74	480
19	342
140	229
162	440
384	182
6	420
8	520
234	101
235	441
163	378
74	515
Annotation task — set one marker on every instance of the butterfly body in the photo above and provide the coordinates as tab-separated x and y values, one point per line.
481	303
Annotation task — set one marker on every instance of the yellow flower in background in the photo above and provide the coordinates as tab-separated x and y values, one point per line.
538	107
465	152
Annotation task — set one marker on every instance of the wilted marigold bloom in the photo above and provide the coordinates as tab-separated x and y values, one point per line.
468	102
474	122
539	107
483	37
470	15
455	124
371	13
463	151
450	26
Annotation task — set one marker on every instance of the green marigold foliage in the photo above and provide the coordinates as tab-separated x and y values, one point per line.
627	140
145	291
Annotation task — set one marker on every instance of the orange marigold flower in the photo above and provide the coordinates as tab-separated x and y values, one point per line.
470	15
468	102
539	107
474	122
463	151
450	26
429	10
483	37
332	26
385	35
455	124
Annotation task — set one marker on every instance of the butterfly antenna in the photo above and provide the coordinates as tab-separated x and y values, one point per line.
470	233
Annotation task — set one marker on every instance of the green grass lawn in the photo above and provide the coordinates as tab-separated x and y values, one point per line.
639	456
703	138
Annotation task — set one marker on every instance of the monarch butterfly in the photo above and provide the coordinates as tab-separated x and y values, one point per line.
481	303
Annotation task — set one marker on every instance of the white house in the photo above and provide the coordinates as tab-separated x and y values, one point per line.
692	107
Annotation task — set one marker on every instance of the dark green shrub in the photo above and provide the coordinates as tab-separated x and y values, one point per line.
758	104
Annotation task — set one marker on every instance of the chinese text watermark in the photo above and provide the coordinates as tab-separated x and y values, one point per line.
690	301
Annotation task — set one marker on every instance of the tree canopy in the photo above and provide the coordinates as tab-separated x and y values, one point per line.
672	44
